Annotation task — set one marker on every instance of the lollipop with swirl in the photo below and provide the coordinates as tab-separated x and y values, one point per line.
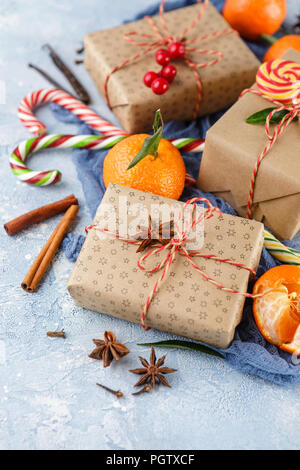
279	80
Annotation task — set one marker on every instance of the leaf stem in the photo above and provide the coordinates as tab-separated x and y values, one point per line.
270	39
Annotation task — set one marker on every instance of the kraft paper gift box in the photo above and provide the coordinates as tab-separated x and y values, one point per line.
106	278
231	150
134	104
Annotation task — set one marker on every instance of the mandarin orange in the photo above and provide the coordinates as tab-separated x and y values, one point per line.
282	45
162	174
251	18
277	312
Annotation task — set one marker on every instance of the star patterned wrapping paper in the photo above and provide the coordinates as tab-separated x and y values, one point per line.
106	277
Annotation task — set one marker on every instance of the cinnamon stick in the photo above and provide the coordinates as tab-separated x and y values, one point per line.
48	251
40	214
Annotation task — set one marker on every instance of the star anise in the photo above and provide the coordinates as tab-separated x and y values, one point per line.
109	349
153	372
152	235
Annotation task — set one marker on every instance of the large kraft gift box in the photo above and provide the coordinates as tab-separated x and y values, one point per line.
106	278
231	150
134	104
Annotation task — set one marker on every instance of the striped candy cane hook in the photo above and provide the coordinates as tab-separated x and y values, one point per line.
45	178
66	101
111	135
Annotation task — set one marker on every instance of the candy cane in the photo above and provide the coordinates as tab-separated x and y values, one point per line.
283	253
189	145
37	98
45	178
66	101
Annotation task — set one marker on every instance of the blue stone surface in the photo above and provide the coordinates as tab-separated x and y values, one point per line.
48	396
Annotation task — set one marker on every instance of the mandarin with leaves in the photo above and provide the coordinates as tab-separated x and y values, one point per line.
277	311
252	18
148	163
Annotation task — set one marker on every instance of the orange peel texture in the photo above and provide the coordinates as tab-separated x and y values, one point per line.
163	175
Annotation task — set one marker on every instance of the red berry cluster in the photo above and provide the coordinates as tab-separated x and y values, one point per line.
159	82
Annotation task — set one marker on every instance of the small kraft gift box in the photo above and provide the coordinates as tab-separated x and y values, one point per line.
200	297
232	148
217	66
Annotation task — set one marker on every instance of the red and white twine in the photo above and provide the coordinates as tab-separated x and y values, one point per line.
177	245
152	42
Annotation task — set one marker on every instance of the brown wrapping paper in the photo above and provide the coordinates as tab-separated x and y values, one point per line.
231	150
106	277
134	104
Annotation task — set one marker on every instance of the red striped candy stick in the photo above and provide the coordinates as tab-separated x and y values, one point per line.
66	101
37	98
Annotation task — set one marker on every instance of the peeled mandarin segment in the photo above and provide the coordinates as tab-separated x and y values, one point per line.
293	287
269	311
269	286
293	346
286	327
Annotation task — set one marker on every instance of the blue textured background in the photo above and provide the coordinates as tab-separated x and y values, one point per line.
48	397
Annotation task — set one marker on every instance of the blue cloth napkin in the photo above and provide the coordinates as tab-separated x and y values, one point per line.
249	352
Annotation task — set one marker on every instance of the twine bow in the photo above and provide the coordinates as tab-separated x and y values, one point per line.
293	110
177	245
159	39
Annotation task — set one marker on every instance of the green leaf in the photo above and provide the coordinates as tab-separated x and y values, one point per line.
173	343
150	144
158	121
261	116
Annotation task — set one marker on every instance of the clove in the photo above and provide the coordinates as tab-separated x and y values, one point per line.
56	334
117	393
145	389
